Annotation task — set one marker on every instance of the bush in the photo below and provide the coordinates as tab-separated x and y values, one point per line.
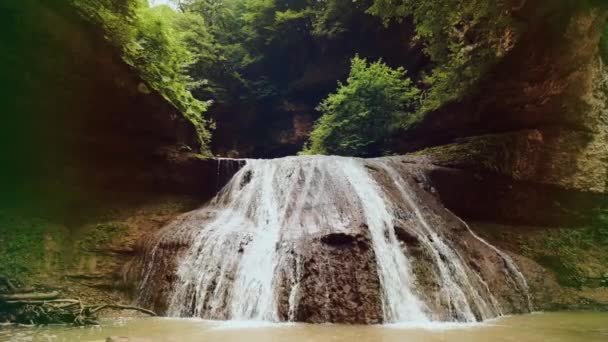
363	112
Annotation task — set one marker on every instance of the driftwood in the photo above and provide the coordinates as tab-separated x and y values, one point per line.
29	296
48	308
123	307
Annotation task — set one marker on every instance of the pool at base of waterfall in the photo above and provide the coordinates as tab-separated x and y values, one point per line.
556	327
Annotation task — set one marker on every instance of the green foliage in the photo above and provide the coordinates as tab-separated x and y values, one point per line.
261	46
364	111
212	33
331	19
462	38
153	41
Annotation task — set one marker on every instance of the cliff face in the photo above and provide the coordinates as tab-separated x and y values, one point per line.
73	103
541	114
103	159
92	157
524	158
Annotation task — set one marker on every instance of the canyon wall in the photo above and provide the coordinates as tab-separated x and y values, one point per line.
92	157
540	115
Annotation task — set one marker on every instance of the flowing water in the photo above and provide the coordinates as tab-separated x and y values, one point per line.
246	255
554	327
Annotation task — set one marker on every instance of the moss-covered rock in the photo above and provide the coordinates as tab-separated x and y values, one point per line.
29	245
569	159
573	262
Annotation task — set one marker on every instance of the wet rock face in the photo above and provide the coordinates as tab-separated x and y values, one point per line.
326	239
495	198
406	237
339	239
88	100
340	275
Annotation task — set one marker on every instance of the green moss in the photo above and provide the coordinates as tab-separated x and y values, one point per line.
578	257
28	245
490	152
100	235
33	247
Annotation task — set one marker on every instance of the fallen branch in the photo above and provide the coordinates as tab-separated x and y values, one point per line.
48	308
29	296
41	302
122	307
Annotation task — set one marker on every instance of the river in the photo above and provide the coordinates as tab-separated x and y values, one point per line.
554	327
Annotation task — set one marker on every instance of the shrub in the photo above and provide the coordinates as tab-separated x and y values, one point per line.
363	112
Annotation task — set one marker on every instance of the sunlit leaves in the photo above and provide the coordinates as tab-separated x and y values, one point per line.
155	42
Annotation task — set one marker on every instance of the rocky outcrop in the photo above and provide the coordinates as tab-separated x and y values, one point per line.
76	111
523	156
353	290
326	239
540	115
483	196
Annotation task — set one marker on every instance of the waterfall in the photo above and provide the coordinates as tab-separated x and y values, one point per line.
287	234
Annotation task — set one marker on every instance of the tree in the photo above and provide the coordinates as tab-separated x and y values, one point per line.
462	38
363	112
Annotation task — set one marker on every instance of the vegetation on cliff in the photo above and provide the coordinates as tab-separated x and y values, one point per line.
462	38
157	42
575	255
258	66
258	69
270	56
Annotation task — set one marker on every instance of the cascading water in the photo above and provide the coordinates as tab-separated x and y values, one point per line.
323	239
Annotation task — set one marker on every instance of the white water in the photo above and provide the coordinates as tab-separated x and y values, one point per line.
241	254
454	278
